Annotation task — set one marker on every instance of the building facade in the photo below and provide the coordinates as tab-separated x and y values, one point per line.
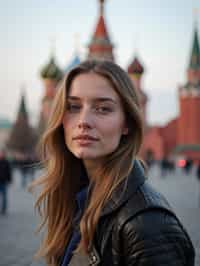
180	136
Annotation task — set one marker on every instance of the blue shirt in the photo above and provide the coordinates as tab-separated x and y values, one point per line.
75	238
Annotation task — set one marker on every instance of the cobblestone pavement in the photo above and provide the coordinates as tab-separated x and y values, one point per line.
18	242
183	193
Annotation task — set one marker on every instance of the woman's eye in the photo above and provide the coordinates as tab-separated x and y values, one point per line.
73	107
103	109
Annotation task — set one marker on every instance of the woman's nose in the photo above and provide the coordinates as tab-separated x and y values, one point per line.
85	119
84	125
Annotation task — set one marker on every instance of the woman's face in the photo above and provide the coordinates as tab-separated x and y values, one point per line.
94	119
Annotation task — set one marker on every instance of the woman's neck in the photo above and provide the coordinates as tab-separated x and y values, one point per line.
91	167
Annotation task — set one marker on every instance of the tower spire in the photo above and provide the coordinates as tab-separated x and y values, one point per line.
101	2
195	14
22	106
22	138
52	47
195	53
100	46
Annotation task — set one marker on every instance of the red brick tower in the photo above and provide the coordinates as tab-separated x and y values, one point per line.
51	74
100	46
135	71
188	137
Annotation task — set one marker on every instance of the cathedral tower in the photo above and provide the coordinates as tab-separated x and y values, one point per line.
51	74
22	138
135	71
189	99
100	46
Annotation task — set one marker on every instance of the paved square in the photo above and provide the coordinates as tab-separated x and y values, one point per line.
18	242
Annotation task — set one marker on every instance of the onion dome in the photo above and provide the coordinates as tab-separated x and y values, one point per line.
51	71
135	67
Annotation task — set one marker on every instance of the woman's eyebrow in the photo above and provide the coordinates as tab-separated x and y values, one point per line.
73	98
105	99
98	99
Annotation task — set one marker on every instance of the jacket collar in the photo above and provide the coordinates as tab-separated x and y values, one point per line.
125	189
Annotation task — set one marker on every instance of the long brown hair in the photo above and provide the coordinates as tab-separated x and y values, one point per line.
60	182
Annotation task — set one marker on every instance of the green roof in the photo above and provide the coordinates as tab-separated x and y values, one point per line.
22	107
187	147
195	54
51	71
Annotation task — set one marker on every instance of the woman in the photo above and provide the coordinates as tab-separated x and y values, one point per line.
95	202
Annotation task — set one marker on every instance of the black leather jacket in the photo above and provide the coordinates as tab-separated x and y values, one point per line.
137	227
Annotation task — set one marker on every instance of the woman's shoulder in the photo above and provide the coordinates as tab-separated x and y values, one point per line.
145	200
156	236
153	222
147	217
148	213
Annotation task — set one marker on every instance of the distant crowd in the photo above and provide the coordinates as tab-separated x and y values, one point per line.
168	165
27	166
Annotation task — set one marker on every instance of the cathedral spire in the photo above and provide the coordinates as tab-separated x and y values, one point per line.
100	46
22	107
22	138
195	53
101	7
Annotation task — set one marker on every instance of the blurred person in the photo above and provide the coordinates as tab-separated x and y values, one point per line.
149	159
24	170
167	166
5	179
164	166
198	177
171	165
188	165
32	164
95	202
198	171
27	166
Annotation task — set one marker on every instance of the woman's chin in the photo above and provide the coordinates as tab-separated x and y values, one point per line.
85	155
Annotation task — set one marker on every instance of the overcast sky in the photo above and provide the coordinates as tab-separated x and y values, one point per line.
159	32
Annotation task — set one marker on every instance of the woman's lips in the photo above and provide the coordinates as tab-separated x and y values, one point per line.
85	140
85	137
